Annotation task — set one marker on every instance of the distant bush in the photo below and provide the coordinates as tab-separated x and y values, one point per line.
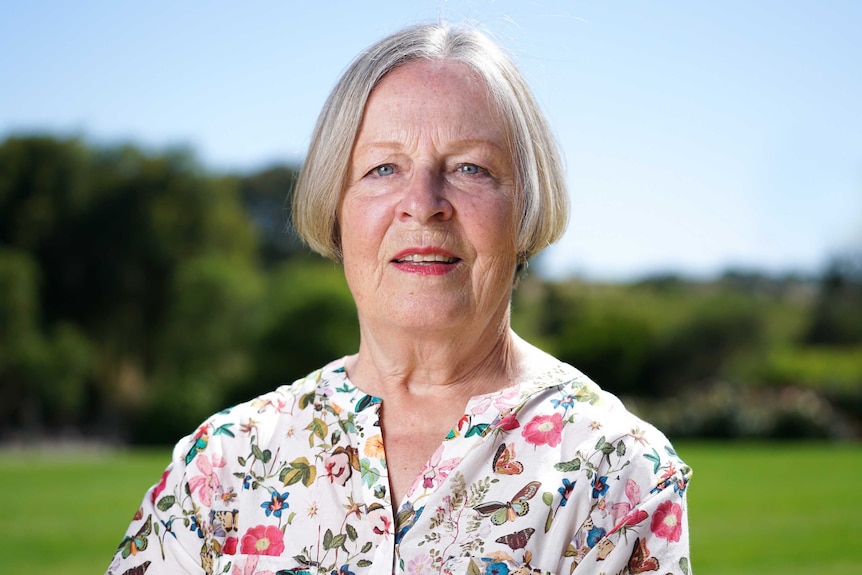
837	315
724	411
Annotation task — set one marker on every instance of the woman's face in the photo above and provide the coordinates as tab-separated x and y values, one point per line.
427	219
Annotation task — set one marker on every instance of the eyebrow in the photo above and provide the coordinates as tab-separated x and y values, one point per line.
457	145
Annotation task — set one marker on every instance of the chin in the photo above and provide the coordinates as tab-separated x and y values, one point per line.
429	314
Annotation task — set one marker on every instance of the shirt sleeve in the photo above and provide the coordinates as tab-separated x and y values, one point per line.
167	532
651	537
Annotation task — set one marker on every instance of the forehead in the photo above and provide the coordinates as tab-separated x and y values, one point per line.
426	93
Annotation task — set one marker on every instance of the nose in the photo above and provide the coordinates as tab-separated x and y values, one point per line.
425	197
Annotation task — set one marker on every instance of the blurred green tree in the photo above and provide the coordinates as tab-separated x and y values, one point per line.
266	196
310	320
43	378
205	349
837	315
108	231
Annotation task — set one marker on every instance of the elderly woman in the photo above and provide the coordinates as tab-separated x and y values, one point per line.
447	444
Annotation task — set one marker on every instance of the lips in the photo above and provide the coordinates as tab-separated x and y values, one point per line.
427	259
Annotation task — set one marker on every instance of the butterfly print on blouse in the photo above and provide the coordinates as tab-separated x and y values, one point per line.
640	561
501	512
504	461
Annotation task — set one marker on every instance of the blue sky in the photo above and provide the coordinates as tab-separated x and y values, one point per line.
697	135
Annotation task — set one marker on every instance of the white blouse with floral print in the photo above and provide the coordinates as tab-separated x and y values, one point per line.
552	476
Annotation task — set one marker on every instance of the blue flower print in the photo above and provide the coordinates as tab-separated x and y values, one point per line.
195	526
275	505
565	491
496	568
594	536
566	402
600	486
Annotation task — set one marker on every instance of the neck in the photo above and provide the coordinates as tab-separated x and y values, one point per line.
394	363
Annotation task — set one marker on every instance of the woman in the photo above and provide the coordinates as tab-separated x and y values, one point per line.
446	444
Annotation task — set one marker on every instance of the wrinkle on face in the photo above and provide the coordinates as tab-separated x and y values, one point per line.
426	120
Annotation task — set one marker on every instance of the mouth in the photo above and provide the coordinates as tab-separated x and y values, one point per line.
428	259
426	262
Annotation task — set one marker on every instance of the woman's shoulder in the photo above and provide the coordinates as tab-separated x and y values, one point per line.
286	396
265	414
592	417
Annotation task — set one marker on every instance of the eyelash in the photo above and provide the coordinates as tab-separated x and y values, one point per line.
376	171
480	171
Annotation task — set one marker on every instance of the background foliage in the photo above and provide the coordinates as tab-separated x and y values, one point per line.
140	292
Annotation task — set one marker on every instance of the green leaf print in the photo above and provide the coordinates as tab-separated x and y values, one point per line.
656	460
224	430
338	540
166	502
255	450
306	400
299	470
621	449
573	465
351	532
318	429
370	476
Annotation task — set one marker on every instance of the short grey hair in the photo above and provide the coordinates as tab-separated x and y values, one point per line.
540	183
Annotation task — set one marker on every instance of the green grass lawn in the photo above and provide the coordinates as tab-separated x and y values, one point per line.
67	513
775	508
764	509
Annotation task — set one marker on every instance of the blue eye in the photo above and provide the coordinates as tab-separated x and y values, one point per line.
384	170
469	169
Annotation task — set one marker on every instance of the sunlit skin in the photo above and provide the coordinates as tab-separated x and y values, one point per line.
428	234
431	177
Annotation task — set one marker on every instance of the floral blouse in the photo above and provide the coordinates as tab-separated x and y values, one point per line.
551	476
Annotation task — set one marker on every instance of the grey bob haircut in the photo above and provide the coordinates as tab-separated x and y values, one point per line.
540	184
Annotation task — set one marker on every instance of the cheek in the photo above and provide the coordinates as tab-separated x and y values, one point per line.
494	226
364	221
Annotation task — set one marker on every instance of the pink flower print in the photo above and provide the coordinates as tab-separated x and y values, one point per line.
208	483
420	565
633	493
250	567
509	422
669	472
230	546
272	401
263	540
384	527
667	521
338	468
435	471
544	430
381	520
161	486
501	401
632	519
